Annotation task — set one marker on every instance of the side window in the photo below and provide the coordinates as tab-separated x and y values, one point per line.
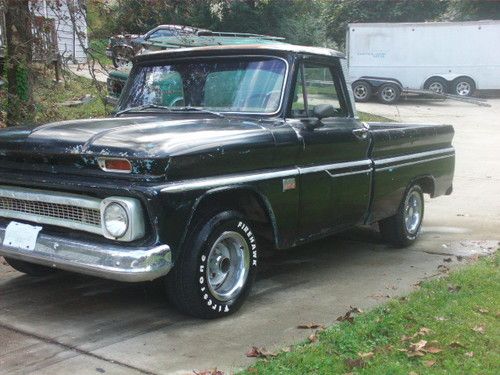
321	86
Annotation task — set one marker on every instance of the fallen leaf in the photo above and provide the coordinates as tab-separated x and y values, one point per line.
286	350
423	331
483	311
366	356
347	316
429	363
443	268
352	363
454	288
256	352
416	349
253	370
441	318
310	326
412	373
469	354
355	310
479	329
456	344
447	260
433	350
313	338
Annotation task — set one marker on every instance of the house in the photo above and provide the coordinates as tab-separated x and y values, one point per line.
61	25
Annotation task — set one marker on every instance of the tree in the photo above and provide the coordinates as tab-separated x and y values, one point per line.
20	107
339	13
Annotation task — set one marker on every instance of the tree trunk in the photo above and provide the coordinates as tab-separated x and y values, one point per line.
20	108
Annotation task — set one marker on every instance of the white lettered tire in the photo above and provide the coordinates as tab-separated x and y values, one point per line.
215	271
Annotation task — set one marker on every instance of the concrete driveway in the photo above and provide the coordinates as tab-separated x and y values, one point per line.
74	324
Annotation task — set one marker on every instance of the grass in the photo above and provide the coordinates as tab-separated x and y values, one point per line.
370	117
458	317
48	95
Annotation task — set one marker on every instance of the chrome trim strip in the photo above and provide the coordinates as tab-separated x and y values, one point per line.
412	163
413	156
349	173
210	182
93	258
336	166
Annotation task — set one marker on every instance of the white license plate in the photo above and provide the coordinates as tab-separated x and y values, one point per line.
21	236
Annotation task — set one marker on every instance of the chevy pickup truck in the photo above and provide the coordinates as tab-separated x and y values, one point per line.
214	153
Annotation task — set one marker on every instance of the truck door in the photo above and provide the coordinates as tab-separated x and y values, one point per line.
335	171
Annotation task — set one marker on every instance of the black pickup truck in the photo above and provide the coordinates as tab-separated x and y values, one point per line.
214	153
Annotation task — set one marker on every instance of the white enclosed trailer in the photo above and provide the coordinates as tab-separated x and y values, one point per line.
446	57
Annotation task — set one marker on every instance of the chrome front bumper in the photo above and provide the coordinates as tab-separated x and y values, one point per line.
94	258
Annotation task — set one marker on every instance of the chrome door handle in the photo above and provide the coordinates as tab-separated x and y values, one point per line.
360	133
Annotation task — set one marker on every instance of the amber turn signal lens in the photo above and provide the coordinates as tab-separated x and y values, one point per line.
115	165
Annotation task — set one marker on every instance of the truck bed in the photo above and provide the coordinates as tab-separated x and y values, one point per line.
405	152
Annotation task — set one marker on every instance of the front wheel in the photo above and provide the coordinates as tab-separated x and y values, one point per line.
215	271
402	229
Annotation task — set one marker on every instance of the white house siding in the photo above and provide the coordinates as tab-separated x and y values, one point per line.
71	46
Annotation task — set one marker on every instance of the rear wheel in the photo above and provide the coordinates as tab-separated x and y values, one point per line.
437	84
463	86
402	229
29	268
362	91
215	272
389	93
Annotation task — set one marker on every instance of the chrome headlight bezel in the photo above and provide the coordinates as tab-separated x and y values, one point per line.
132	207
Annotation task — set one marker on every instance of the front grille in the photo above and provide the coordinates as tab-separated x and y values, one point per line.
65	212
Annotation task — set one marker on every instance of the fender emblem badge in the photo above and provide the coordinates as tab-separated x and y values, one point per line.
289	184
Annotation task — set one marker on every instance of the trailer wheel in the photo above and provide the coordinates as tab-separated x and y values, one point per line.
463	86
402	229
389	93
362	91
437	84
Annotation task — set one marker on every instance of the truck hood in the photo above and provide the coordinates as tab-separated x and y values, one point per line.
135	137
150	138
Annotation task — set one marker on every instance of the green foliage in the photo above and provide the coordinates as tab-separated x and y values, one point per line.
22	83
467	10
339	13
457	316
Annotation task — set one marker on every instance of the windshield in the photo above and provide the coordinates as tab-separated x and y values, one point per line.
228	84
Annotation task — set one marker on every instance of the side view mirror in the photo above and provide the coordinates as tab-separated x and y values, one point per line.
323	111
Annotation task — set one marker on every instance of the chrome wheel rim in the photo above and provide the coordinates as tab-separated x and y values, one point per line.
413	212
388	93
463	88
228	265
437	87
360	92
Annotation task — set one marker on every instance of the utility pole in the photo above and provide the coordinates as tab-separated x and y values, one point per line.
20	107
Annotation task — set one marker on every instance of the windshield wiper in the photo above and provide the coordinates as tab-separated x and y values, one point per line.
141	108
195	109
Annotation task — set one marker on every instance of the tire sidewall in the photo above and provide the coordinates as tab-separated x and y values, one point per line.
368	91
396	96
411	237
208	304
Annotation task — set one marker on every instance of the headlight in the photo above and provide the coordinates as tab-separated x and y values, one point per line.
116	220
